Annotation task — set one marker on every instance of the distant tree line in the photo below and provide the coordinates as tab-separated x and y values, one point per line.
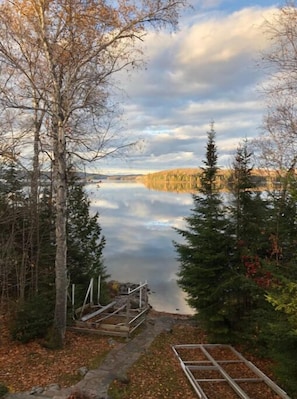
188	179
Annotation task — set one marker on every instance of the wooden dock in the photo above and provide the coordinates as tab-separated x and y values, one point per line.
120	317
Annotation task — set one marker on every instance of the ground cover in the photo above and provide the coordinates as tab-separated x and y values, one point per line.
23	366
157	374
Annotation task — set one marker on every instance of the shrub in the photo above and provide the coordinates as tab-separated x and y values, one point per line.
3	390
33	318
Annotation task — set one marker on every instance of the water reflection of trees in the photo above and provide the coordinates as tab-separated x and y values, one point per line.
188	180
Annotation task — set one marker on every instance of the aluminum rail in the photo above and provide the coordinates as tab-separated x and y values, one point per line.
230	381
216	365
193	382
267	380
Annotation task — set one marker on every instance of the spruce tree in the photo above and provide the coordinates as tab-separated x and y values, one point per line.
204	255
249	227
281	329
85	241
249	209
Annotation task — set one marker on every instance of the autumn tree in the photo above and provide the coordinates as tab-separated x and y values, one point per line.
72	50
277	145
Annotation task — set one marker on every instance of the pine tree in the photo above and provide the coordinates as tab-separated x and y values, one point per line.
204	256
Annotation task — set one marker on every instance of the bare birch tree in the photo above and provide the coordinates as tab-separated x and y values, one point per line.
278	145
72	49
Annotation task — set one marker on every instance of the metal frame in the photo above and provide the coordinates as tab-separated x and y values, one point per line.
212	364
99	320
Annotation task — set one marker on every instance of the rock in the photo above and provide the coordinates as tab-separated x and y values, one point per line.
134	303
53	387
36	390
82	371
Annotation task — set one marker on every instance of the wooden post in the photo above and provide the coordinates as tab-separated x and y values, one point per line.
145	296
140	296
128	307
99	290
86	298
92	291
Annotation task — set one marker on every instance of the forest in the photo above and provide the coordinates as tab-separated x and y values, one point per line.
57	61
237	259
27	250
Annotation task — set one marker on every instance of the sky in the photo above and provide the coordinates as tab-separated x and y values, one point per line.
207	71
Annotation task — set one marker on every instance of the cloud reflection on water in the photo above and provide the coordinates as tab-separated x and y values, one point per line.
138	226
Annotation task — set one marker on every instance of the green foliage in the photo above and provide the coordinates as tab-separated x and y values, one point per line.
205	273
281	344
284	299
247	224
33	318
27	250
209	173
14	221
10	184
238	263
46	240
281	334
85	242
27	247
3	390
217	240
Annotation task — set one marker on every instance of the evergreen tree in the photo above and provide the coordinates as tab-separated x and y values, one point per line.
210	171
46	242
281	330
249	226
85	241
84	260
249	212
14	256
204	256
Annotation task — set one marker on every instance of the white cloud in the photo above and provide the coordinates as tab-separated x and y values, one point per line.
101	204
205	72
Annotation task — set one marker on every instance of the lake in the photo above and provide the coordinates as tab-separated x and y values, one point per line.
138	226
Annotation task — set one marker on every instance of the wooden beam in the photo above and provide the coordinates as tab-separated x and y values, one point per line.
101	310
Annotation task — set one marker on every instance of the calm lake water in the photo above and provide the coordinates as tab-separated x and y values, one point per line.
138	226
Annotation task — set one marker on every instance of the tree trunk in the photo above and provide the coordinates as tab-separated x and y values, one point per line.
34	223
61	242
